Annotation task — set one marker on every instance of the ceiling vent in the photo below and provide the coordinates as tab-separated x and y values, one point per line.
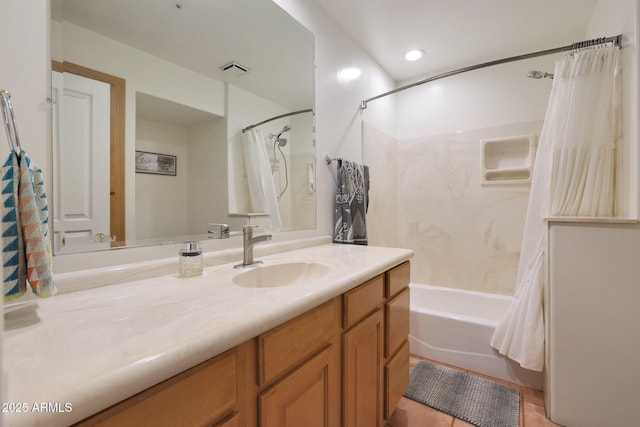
235	69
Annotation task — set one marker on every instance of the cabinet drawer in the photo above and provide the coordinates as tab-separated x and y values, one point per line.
283	348
363	300
396	323
397	279
396	379
198	396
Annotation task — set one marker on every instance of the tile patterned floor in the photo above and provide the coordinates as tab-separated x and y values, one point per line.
413	414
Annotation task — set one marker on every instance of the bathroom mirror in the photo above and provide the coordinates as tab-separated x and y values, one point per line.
189	76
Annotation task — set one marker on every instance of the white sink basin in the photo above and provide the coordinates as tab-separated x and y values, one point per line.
281	274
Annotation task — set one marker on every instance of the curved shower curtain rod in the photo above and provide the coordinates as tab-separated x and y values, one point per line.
308	110
616	40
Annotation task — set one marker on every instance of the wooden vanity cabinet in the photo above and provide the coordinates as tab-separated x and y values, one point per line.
345	363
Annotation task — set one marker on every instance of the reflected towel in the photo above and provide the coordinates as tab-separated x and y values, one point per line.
26	246
352	202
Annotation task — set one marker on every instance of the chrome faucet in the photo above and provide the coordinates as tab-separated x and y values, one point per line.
249	241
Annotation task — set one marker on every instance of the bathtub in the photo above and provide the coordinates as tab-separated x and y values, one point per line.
455	326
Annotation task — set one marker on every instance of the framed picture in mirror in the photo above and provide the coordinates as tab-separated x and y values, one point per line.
161	164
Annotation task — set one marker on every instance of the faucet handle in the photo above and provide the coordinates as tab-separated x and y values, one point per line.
247	230
218	231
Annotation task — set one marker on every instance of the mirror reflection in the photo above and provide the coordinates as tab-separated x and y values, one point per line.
150	102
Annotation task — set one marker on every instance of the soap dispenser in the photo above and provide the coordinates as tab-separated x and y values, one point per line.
190	260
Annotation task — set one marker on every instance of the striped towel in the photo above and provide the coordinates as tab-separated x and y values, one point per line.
26	246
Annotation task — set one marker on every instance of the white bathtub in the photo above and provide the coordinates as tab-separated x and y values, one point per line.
455	326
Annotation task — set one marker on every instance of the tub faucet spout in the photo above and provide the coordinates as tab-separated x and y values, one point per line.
249	241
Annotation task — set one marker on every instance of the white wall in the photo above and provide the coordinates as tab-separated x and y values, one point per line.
182	205
381	155
301	192
26	74
208	189
491	96
161	202
338	116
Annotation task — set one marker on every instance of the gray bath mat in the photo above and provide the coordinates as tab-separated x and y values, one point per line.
478	401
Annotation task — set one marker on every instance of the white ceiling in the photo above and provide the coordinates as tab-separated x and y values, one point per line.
457	33
168	112
203	35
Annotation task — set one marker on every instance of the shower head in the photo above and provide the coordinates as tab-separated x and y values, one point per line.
539	75
282	141
287	128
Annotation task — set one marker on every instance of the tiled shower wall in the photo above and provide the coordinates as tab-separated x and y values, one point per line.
426	195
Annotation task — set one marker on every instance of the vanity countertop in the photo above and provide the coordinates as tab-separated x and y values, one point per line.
72	355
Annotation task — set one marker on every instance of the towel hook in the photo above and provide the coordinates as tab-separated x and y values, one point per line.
10	122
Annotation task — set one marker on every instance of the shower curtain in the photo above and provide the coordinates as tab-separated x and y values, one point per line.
262	190
573	176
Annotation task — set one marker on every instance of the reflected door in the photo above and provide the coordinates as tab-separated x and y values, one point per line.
81	155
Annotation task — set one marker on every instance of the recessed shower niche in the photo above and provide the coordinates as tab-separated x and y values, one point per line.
508	160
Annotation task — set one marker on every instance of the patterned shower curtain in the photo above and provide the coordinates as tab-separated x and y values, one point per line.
352	202
573	176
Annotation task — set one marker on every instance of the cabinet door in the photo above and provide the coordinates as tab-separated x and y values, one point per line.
362	373
309	396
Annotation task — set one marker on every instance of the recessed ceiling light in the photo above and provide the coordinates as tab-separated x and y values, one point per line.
349	73
414	55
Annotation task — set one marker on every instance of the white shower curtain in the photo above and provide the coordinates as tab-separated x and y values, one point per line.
573	176
262	190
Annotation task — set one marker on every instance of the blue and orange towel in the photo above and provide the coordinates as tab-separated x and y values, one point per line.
26	245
